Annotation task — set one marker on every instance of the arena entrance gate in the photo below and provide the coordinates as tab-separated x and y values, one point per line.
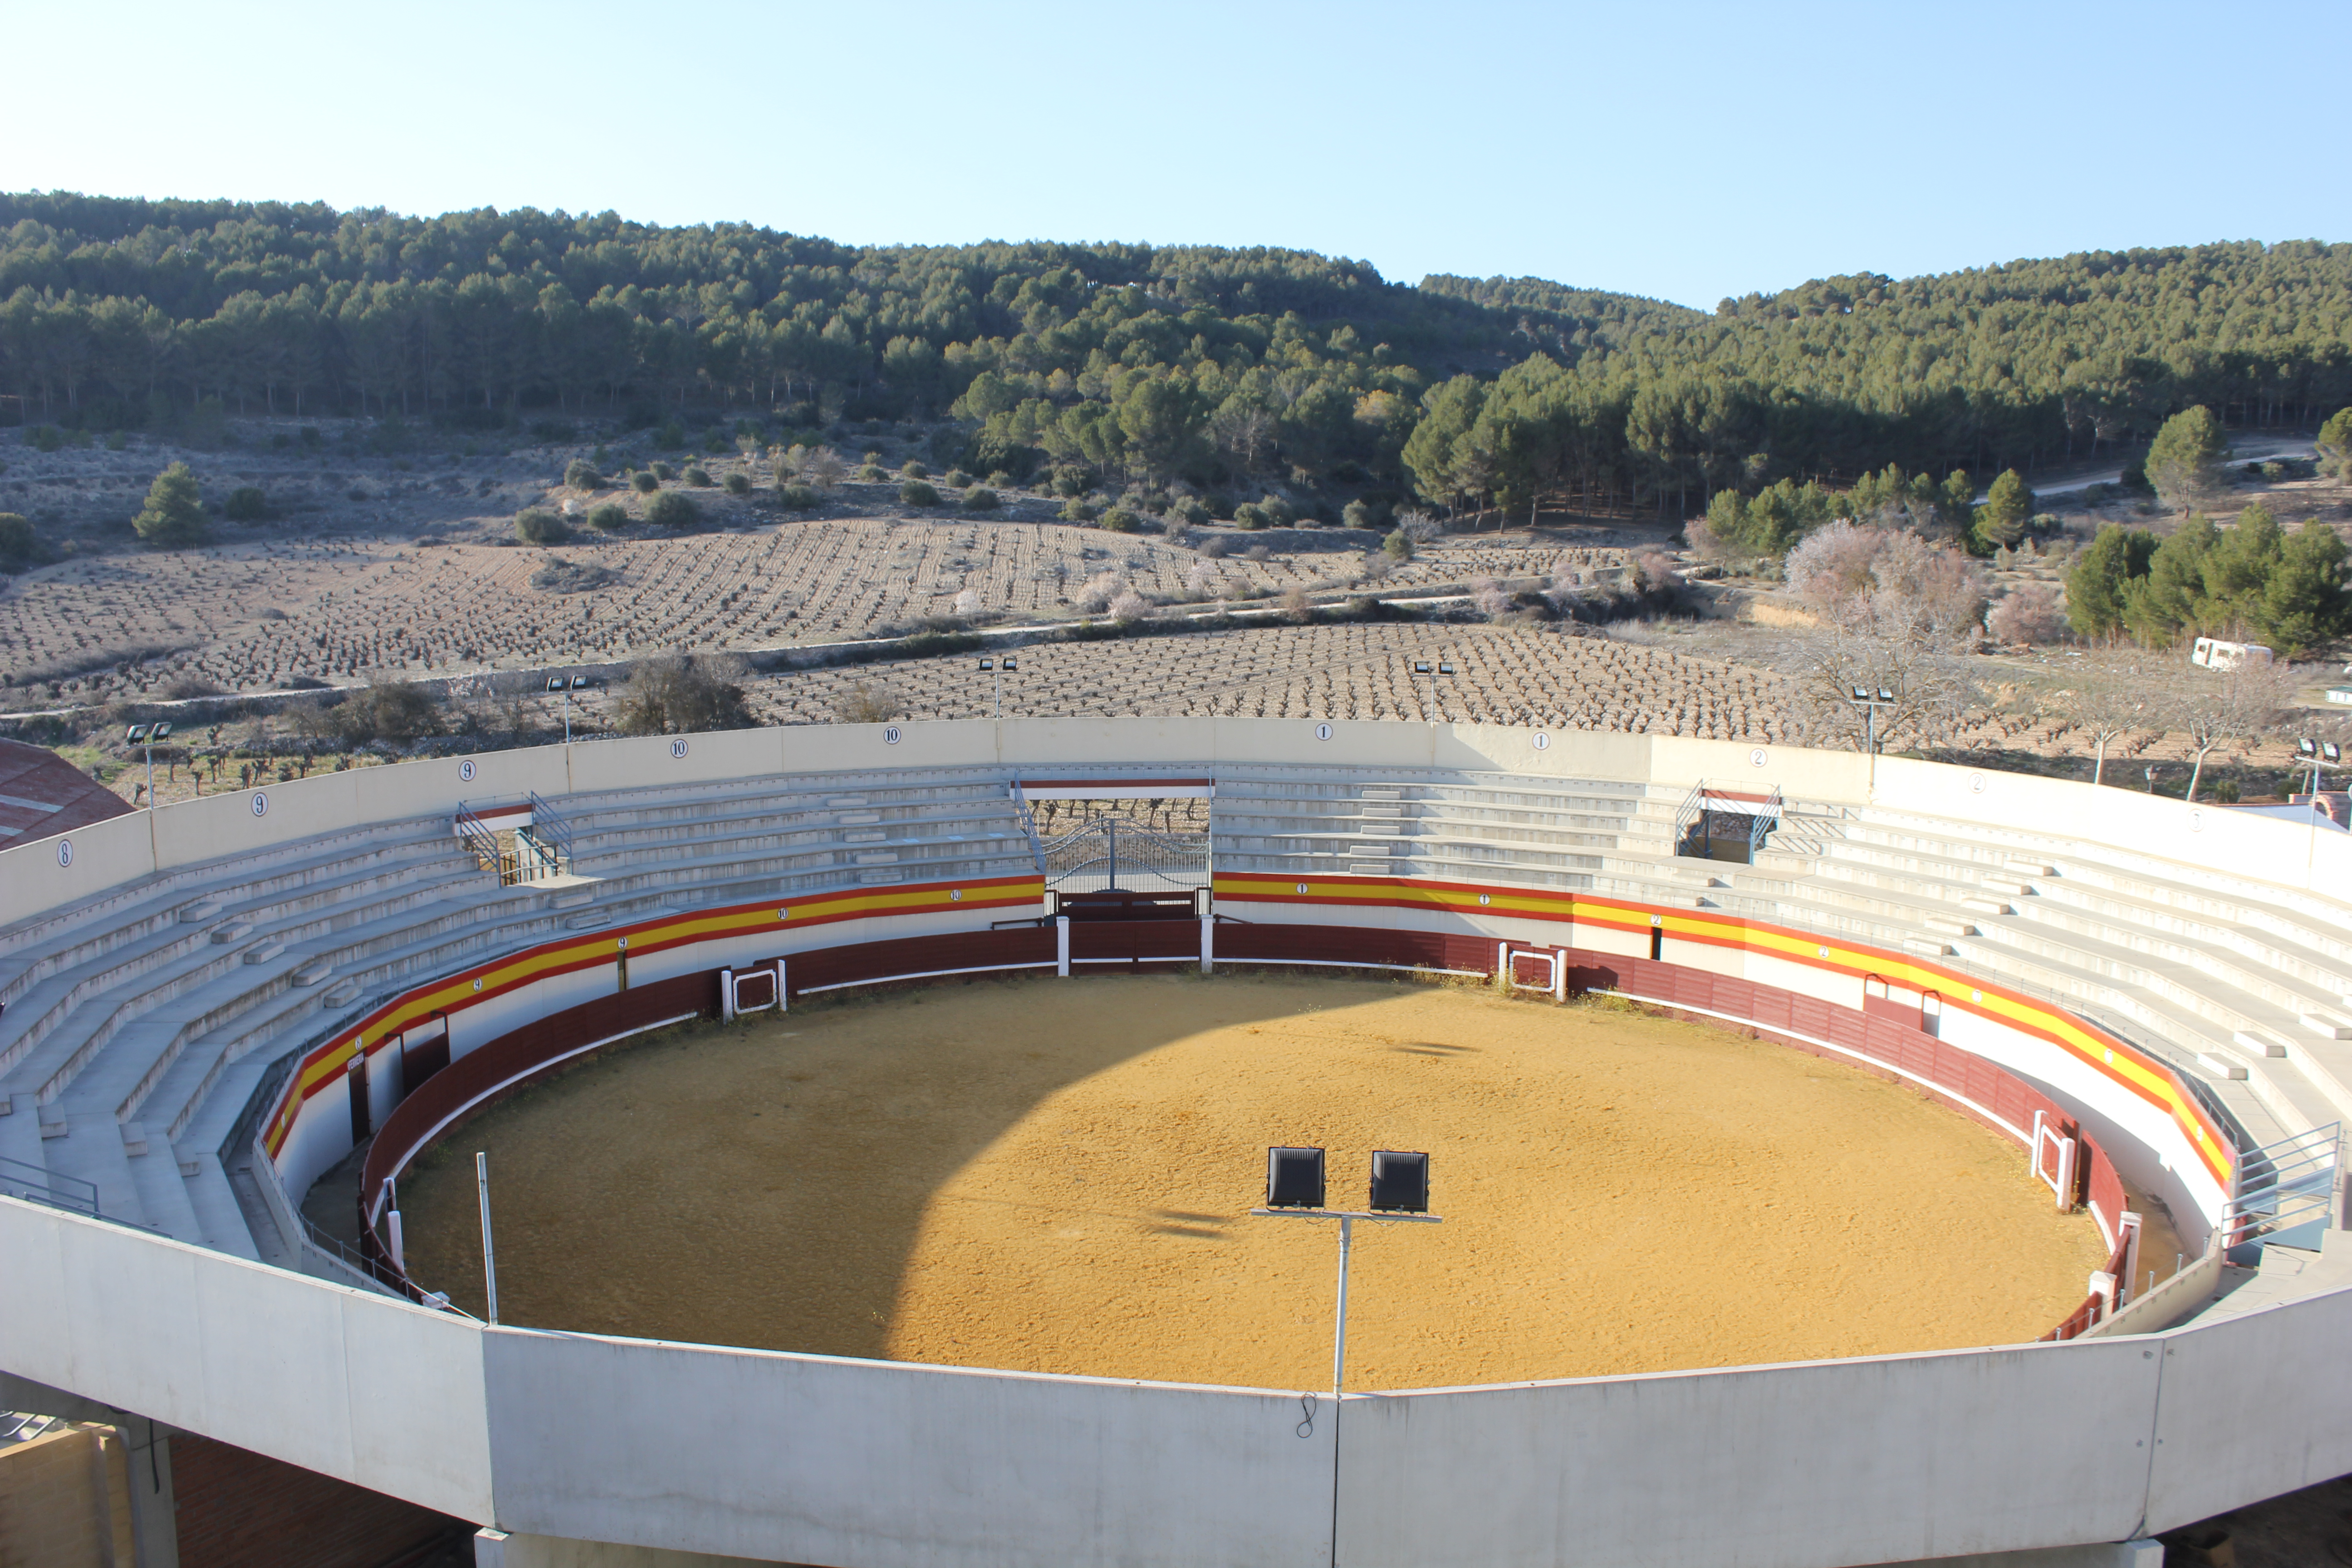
1118	835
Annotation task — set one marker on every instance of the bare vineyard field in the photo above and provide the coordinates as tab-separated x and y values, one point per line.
255	617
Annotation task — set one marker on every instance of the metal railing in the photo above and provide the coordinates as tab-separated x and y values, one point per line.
499	862
549	839
2286	1189
1709	816
1029	826
40	1184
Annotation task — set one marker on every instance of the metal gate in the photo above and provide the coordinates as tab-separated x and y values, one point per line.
1110	853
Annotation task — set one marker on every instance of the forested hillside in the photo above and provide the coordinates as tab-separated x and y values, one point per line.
1226	368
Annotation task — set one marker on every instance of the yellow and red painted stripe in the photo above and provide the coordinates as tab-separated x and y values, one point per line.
2116	1059
326	1064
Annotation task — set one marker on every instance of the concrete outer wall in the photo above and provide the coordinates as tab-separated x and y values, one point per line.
874	1465
124	849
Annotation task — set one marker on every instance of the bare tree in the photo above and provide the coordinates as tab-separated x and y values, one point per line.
867	702
1898	615
2107	713
2243	704
823	468
682	694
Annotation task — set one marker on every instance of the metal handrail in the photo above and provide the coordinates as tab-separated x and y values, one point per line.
481	841
1029	826
59	1188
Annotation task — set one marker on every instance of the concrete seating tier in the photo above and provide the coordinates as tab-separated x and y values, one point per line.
138	1025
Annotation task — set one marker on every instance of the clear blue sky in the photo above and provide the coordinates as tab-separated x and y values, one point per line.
1684	151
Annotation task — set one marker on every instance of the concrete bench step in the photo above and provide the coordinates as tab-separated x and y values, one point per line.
2328	1025
2220	1066
2259	1042
236	930
200	911
264	953
1928	947
312	972
1988	906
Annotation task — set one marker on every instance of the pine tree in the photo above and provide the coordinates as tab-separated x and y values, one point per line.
2305	601
174	515
2009	506
2182	458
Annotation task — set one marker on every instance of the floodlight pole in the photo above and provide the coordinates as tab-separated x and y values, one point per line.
1347	1218
489	1257
148	747
1339	1334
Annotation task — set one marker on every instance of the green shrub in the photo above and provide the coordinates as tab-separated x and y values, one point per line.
19	546
670	436
1249	515
1356	514
915	471
663	471
699	477
174	513
957	478
738	484
311	438
1399	547
870	474
246	504
1071	481
47	439
582	475
644	482
999	478
980	497
612	517
1077	508
1119	520
536	525
915	492
673	508
1189	510
799	497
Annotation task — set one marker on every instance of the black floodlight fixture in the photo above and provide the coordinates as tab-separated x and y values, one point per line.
1862	694
1421	667
2328	751
1885	695
136	733
1443	667
1293	1178
984	664
2306	748
579	683
1010	666
159	732
1400	1183
555	683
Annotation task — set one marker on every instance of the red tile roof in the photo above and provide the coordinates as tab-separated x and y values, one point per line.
42	794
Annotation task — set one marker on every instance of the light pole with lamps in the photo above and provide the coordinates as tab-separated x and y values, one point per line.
1008	665
1294	1190
1423	670
146	737
2311	753
1870	704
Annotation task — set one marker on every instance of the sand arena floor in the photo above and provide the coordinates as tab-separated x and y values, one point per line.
1055	1176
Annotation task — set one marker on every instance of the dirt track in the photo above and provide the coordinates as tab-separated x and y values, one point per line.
1055	1176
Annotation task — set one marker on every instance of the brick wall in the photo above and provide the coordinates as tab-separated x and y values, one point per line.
65	1501
237	1507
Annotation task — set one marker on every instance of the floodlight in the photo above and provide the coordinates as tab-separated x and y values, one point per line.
1861	694
159	732
1400	1183
984	664
1885	695
2306	748
136	733
2331	751
1421	667
579	683
1009	666
1444	669
1293	1178
555	683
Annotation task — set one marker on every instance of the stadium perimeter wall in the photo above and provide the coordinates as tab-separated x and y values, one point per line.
109	858
802	1459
